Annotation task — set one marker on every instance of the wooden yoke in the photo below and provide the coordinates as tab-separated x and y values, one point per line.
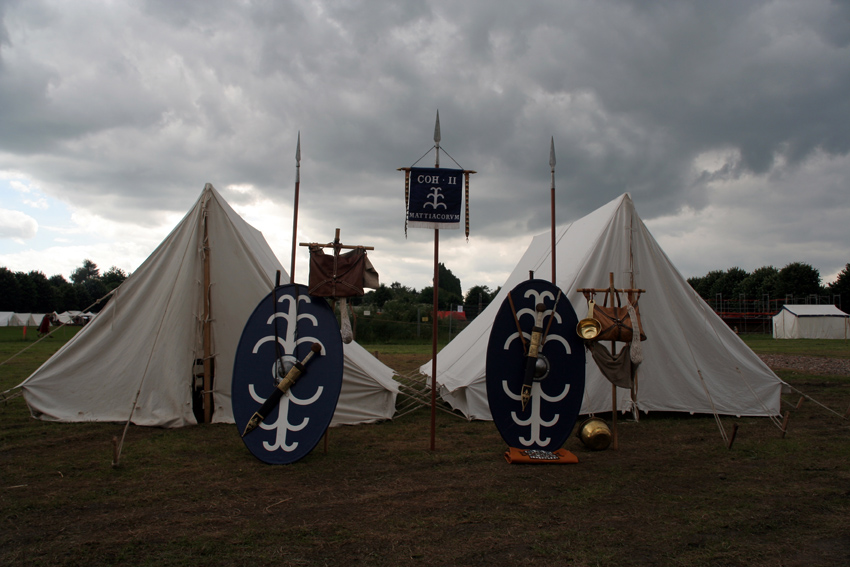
632	294
336	245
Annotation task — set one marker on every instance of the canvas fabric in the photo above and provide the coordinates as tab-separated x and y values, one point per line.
811	322
137	356
692	361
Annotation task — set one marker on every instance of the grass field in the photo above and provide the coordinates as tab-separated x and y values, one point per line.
671	494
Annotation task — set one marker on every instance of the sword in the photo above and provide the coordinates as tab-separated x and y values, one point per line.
531	358
274	399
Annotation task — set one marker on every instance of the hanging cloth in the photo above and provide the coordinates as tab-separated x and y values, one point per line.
340	275
618	369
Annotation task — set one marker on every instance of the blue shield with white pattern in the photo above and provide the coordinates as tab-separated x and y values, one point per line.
280	331
558	386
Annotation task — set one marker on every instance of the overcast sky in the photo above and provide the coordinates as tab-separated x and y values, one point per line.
727	121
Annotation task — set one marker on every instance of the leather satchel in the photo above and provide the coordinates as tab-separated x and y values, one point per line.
616	323
340	275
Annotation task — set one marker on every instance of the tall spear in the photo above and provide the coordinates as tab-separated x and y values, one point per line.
552	166
295	208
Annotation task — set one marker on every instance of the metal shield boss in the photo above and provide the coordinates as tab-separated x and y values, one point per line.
281	331
558	386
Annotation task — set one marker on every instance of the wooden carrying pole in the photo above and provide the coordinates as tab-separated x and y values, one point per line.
335	244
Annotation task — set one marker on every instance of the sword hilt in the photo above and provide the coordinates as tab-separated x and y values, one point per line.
274	399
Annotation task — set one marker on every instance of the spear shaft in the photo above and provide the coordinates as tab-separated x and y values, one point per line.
552	166
295	208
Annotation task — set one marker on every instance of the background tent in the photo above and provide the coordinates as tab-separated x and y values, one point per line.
811	322
35	319
139	354
20	319
692	361
4	318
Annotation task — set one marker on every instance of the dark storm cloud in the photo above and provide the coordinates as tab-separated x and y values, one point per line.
128	109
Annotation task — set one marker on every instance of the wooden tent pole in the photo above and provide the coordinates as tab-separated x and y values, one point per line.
207	329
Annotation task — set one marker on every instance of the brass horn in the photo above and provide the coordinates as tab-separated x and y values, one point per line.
589	328
594	434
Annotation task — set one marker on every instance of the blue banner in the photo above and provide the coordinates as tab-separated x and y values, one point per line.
436	197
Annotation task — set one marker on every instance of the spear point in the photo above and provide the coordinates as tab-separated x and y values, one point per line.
298	150
437	129
552	153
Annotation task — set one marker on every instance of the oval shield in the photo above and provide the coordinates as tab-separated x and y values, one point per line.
280	332
553	380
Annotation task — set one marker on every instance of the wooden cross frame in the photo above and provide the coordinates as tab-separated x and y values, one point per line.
336	245
633	295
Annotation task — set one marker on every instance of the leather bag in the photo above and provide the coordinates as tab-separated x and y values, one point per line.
617	324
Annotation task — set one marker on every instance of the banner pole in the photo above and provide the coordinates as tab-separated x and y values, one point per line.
436	297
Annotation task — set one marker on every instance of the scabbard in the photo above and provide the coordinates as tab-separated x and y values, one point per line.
274	398
530	364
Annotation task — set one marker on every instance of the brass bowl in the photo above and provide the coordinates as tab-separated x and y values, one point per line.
588	329
595	434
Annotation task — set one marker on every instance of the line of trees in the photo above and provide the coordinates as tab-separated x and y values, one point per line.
33	292
402	303
797	280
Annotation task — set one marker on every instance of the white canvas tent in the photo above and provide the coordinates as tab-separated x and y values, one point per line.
811	322
67	317
20	319
692	361
4	318
138	355
35	319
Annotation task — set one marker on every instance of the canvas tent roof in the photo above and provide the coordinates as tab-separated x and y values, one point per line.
20	319
4	318
811	322
142	346
692	361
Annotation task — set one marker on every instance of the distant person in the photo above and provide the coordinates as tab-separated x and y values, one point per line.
44	327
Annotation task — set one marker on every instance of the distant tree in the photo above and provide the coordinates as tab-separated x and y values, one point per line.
83	297
96	289
477	299
759	283
798	280
445	300
727	283
10	290
45	297
64	295
841	287
382	295
113	277
28	296
88	270
449	282
704	284
403	293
